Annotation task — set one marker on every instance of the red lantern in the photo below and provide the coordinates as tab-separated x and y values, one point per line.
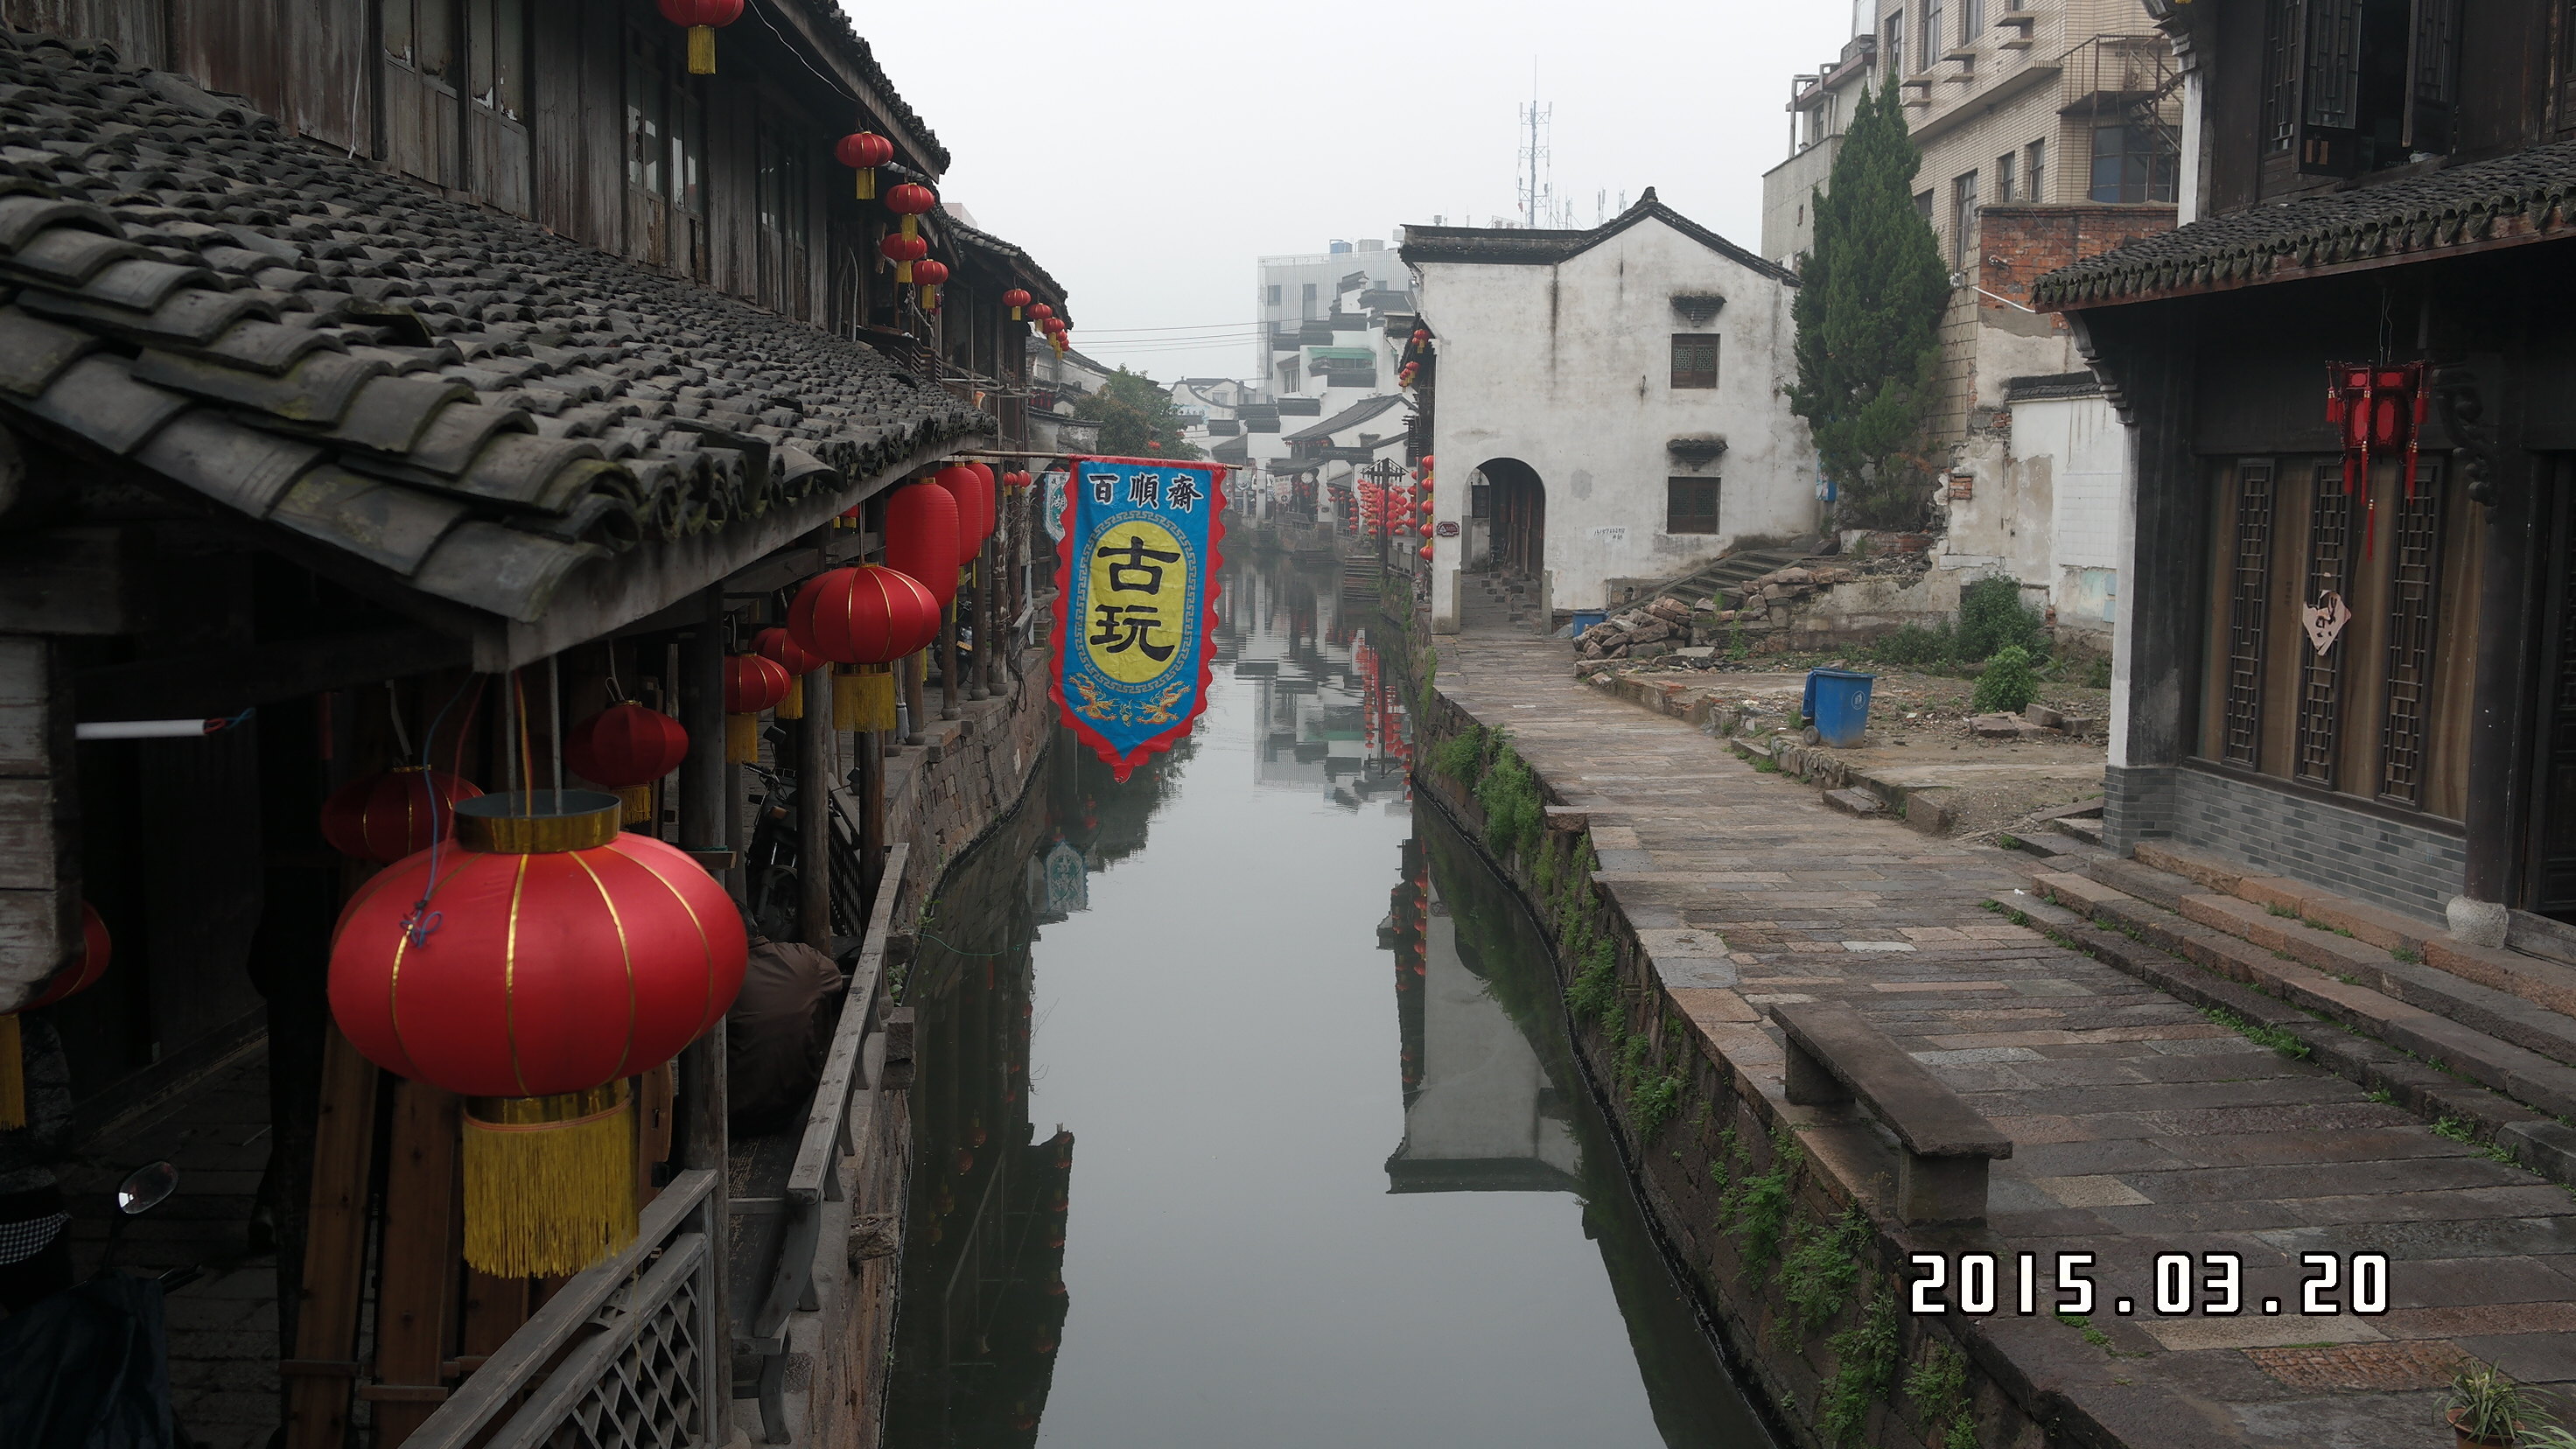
922	533
752	684
84	970
1015	299
974	506
985	497
626	745
864	615
903	251
702	17
910	201
1041	312
1054	326
782	646
551	958
384	817
864	151
930	274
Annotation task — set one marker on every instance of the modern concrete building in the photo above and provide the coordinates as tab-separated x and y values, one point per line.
1611	401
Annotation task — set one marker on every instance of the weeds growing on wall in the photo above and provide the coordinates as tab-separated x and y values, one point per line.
1939	1388
1755	1208
1461	757
1865	1357
1515	821
1816	1276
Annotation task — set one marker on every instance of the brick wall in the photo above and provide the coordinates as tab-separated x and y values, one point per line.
2018	244
2369	857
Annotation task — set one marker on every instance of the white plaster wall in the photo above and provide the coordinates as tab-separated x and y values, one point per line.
1568	368
2045	508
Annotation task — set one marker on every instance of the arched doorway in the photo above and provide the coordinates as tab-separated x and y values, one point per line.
1516	517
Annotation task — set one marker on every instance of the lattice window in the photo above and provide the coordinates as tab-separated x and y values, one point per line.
2321	675
2249	603
2414	600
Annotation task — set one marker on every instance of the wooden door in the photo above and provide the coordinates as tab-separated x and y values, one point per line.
2553	832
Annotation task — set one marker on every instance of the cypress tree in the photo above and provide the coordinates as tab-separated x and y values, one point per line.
1869	317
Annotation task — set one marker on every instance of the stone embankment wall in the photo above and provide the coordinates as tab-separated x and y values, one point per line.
940	797
1775	1220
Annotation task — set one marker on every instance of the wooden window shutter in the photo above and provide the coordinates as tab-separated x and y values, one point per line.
2433	74
2249	607
2329	135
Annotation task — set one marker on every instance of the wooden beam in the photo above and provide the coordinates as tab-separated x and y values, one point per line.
335	1246
220	684
417	1284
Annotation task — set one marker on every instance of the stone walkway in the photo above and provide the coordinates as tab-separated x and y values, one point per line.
2140	1127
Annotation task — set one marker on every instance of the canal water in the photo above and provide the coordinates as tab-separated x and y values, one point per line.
1245	1114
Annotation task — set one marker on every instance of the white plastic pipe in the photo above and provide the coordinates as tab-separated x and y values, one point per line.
148	729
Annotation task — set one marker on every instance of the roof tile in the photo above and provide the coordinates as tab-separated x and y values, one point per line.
245	467
97	399
384	523
318	389
33	352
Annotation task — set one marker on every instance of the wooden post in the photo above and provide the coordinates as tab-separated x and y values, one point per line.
915	696
988	623
705	1142
325	1369
948	662
417	1281
814	813
872	821
703	775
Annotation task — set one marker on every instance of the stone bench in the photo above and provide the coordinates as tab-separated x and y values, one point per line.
1944	1144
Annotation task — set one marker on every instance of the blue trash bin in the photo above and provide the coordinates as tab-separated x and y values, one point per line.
1586	618
1837	704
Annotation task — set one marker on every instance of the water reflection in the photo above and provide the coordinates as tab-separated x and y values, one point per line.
1187	971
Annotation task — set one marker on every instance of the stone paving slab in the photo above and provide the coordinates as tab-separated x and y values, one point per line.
2140	1126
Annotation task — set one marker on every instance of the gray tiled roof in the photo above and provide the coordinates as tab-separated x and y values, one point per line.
466	400
1349	417
1540	246
2526	196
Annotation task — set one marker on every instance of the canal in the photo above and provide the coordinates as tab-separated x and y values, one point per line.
1245	1113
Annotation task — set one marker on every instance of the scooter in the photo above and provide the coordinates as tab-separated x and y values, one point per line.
89	1367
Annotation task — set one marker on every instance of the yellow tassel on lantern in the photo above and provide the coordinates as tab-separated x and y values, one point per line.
742	739
549	1181
13	1077
930	299
911	224
1015	314
863	697
903	270
793	706
867	183
638	804
702	50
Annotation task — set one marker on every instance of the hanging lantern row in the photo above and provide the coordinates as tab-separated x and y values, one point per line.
1015	299
703	18
864	152
930	274
904	252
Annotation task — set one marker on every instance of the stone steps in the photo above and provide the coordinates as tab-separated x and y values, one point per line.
2316	960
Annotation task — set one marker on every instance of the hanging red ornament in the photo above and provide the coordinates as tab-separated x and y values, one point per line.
626	747
911	201
864	152
751	684
930	275
551	958
864	615
776	645
386	816
1426	551
922	532
1041	312
1015	299
974	507
986	495
903	251
703	18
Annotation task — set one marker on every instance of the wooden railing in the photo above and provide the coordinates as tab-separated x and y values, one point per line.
838	1125
625	1356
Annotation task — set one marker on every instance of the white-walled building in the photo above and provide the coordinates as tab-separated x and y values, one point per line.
1612	403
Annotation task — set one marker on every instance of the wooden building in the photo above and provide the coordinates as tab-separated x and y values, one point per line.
2345	651
390	378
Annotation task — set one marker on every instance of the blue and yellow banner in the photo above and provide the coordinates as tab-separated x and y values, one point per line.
1135	594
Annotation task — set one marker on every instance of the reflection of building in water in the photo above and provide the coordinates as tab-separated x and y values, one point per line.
1479	1112
1328	712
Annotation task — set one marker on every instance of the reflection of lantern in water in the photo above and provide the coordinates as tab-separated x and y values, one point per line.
965	1161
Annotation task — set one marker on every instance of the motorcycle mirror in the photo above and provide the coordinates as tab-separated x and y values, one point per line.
146	1188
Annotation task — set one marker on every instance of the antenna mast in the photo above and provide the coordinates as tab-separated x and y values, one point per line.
1537	180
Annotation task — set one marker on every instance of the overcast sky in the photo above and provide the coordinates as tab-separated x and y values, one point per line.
1147	151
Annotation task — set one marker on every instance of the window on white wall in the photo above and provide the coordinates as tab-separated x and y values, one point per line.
1694	359
1690	505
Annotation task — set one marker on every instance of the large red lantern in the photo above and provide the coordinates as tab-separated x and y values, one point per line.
549	958
703	18
975	510
778	646
864	615
930	275
627	747
386	816
864	152
911	201
922	531
77	976
1015	299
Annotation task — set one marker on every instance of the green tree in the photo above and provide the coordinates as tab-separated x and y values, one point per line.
1134	412
1869	316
